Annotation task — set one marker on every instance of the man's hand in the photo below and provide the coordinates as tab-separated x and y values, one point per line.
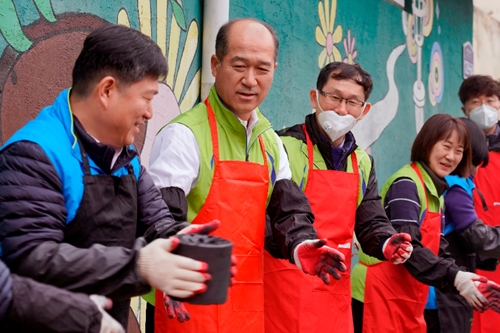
397	249
466	284
108	324
202	229
491	291
176	275
314	258
175	309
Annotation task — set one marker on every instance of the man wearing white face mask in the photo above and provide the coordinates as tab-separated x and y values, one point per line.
480	96
339	180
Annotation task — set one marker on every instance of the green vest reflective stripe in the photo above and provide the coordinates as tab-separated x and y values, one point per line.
436	204
232	146
297	155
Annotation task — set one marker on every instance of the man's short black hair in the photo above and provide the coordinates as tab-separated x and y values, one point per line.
119	51
222	39
343	71
478	85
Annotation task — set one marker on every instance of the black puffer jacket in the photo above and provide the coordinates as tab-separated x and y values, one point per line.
33	218
29	306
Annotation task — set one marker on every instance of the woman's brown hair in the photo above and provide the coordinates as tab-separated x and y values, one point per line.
440	127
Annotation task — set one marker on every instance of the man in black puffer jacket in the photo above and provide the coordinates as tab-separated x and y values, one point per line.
73	194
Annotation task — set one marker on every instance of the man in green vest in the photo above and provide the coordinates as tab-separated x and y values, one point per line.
338	177
222	160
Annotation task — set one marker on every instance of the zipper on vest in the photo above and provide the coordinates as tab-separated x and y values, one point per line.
252	143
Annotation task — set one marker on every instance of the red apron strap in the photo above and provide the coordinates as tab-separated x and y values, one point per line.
215	136
419	174
213	131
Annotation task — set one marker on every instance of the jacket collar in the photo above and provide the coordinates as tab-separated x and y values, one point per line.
227	118
102	154
434	184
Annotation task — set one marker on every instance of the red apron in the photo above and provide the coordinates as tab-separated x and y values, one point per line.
394	300
237	197
296	302
487	181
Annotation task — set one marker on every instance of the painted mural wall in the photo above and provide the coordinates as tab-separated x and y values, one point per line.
40	40
415	59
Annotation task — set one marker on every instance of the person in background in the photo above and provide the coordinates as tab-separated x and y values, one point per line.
480	97
74	198
392	298
222	160
467	236
330	168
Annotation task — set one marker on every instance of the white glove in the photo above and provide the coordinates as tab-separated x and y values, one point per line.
173	274
466	284
108	323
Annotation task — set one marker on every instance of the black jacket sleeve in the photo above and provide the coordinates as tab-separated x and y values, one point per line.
290	217
155	218
5	290
32	222
438	271
36	307
176	200
482	239
372	226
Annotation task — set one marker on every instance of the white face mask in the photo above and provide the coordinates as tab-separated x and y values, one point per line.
334	124
484	116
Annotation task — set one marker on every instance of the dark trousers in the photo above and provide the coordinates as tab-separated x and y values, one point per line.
432	320
150	318
357	315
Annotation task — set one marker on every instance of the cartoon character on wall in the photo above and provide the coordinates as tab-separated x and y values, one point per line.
416	27
181	91
37	63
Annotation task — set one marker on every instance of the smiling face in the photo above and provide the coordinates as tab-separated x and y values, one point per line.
128	108
244	75
446	154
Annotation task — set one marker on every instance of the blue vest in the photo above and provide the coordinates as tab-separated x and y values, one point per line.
53	131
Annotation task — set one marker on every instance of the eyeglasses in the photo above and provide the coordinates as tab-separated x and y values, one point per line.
351	103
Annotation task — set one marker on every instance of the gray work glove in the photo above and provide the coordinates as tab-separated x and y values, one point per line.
466	284
175	275
108	324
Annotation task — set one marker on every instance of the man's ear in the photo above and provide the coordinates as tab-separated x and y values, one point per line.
367	109
464	110
106	89
214	64
312	97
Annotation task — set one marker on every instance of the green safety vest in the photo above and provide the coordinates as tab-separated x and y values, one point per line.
232	146
299	164
436	203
